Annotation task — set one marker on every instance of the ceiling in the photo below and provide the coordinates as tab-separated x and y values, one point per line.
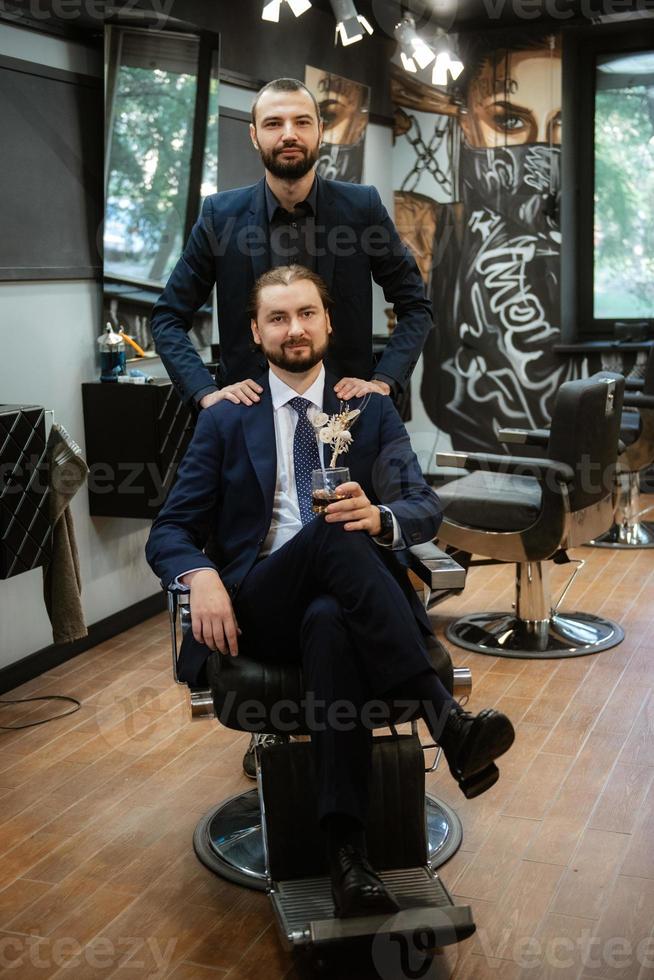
486	14
454	15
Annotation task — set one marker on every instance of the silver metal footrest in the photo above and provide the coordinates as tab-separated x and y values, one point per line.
305	911
501	634
637	535
228	840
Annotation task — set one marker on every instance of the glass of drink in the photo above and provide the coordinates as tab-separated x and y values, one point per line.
325	486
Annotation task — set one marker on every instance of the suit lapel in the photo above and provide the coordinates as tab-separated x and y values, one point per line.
259	433
260	252
327	218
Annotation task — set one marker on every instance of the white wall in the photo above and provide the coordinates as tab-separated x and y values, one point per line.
48	336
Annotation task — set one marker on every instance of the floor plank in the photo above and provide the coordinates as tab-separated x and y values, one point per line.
98	877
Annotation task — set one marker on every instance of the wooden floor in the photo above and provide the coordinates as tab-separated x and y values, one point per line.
98	877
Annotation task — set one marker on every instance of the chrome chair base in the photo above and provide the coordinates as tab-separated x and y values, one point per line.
501	634
637	535
228	839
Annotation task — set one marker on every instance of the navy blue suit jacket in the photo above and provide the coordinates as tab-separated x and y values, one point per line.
226	484
355	239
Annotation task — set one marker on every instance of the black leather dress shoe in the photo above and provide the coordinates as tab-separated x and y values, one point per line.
356	889
471	743
249	760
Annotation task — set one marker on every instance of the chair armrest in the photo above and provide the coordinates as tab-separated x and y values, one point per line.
637	400
525	437
519	465
634	384
436	568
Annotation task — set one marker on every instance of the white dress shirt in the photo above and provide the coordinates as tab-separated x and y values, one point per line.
286	520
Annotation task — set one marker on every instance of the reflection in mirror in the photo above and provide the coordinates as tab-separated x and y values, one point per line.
161	160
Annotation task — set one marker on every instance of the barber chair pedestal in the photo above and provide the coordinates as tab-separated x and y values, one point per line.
628	531
229	838
535	630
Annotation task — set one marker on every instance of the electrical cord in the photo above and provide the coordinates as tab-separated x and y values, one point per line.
44	721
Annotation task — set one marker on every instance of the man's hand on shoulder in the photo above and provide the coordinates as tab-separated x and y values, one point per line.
355	512
242	393
348	388
212	614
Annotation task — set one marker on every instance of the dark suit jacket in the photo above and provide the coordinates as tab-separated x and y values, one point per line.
355	239
226	483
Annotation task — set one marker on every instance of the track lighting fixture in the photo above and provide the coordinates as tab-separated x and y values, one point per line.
350	25
271	8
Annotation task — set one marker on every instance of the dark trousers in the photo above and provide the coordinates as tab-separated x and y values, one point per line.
329	599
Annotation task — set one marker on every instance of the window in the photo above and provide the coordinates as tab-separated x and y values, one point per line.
623	275
607	220
162	148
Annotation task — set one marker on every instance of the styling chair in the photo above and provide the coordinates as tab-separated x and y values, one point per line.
268	838
530	511
636	454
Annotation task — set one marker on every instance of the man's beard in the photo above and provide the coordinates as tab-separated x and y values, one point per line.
295	365
291	169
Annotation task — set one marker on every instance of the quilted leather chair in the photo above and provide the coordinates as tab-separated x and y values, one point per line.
530	511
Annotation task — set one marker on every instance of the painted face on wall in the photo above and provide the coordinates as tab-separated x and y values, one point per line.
515	100
342	108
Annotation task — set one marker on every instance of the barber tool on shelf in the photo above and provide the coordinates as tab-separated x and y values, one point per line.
112	354
132	343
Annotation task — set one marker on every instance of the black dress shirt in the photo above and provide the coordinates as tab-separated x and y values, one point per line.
292	234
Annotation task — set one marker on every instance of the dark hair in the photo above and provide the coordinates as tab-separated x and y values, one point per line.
284	85
284	275
480	47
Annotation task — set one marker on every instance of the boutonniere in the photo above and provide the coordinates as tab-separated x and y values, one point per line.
333	430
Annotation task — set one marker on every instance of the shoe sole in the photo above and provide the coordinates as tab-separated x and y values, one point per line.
491	735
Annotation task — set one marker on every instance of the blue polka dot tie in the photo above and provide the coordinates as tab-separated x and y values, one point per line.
305	457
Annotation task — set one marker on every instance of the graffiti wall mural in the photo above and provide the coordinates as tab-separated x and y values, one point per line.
344	106
478	169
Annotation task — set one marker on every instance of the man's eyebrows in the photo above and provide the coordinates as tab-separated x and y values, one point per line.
301	309
278	118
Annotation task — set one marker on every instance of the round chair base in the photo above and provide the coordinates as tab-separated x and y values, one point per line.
500	634
228	839
640	535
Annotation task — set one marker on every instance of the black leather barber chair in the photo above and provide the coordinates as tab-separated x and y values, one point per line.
637	453
530	511
269	839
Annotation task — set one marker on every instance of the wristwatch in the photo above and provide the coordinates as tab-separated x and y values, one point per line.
387	526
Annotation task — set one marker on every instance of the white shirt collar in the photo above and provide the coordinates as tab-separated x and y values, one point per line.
281	394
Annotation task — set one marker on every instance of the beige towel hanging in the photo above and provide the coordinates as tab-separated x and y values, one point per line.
62	585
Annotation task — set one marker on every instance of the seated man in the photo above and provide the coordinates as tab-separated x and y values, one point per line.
329	590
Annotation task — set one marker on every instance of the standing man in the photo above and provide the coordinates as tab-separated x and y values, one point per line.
340	231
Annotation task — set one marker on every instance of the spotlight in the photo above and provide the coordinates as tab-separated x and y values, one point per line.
349	24
272	8
414	52
445	62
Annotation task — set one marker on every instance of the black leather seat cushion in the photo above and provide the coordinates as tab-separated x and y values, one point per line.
630	426
250	695
492	501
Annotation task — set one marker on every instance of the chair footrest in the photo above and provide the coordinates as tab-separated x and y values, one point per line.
305	911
